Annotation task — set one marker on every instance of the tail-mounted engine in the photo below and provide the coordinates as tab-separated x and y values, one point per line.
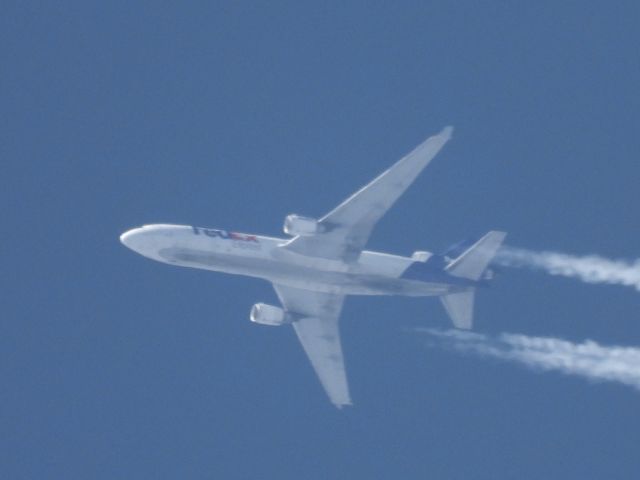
298	225
269	315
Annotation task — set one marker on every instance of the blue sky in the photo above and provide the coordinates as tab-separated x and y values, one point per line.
233	115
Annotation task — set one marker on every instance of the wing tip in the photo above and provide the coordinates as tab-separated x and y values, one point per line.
341	405
447	132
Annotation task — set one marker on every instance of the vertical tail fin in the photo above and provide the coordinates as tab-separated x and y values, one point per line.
470	264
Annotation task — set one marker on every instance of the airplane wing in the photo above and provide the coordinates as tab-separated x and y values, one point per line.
348	226
319	334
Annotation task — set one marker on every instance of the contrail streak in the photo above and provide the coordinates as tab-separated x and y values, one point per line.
588	359
589	269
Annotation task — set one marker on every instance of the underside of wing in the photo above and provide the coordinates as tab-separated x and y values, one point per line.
318	332
346	229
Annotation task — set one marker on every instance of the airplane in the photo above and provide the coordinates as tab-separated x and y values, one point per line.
324	260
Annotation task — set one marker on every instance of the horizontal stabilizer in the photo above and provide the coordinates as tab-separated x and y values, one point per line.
459	306
472	263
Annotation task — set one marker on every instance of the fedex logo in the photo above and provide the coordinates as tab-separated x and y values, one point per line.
225	235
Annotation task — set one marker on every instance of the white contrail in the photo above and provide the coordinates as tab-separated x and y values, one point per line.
589	269
588	359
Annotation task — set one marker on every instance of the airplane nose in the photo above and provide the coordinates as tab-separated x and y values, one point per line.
130	237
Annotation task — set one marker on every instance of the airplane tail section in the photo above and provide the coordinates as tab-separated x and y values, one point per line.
459	306
471	264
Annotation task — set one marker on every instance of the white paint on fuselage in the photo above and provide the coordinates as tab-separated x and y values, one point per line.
258	256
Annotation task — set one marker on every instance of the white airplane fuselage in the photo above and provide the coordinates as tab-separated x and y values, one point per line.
324	260
263	257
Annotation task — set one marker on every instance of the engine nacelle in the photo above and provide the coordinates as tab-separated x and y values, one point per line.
488	274
298	225
269	315
420	256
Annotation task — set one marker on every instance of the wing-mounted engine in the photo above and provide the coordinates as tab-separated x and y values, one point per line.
269	315
420	256
298	225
